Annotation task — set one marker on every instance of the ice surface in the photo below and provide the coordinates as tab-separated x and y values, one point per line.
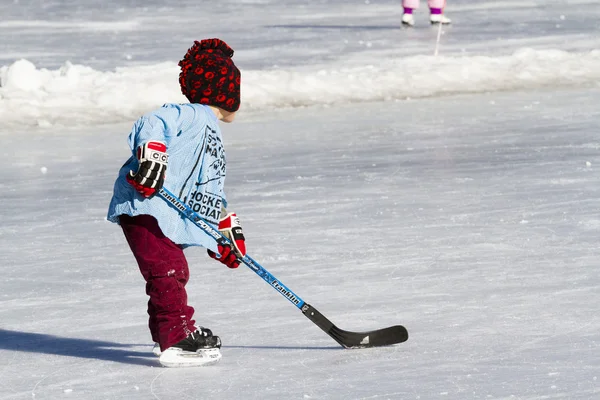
469	215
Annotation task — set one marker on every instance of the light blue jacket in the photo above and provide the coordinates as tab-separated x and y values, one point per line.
195	173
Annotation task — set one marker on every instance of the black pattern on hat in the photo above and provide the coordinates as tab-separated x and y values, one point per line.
209	76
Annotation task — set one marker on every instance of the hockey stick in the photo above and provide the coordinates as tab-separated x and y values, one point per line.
439	34
437	42
350	340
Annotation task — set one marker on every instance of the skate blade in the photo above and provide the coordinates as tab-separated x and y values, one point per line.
177	358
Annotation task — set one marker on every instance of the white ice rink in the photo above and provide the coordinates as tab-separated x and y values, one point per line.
457	195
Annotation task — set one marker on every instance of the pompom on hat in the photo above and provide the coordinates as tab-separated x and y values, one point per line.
209	76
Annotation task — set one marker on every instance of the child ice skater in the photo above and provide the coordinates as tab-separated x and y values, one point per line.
180	146
436	9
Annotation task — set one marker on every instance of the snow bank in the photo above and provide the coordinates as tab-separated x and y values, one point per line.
77	95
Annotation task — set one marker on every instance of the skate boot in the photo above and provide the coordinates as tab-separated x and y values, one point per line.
156	349
408	20
439	19
199	348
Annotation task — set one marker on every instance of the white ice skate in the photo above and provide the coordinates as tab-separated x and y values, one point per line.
408	20
197	349
439	19
174	357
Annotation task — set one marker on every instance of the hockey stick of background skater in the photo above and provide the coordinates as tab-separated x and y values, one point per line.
439	34
350	340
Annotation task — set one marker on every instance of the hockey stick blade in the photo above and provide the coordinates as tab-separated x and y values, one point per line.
356	340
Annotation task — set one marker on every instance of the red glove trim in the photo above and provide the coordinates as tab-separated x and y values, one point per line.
228	256
143	190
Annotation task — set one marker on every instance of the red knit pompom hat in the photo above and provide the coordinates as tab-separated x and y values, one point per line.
209	76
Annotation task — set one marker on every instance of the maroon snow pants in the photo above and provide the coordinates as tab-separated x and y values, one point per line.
164	267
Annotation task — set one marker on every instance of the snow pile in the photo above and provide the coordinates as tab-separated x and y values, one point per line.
76	94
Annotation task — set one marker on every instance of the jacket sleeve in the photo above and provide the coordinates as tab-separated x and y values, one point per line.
157	125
